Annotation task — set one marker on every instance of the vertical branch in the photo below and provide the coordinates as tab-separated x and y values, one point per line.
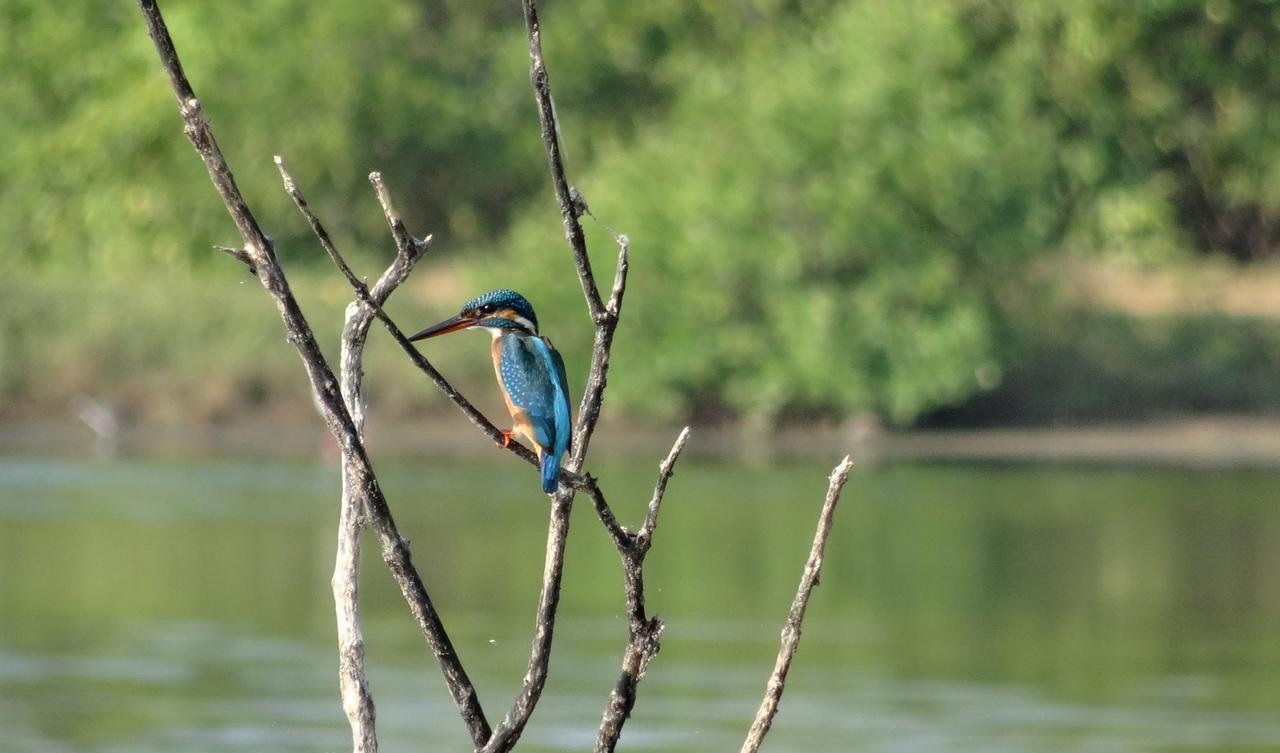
508	731
570	210
791	630
357	702
260	256
605	320
597	377
572	207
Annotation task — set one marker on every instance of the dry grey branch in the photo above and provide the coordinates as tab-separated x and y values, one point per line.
791	630
508	731
261	255
644	632
456	677
357	702
607	518
406	244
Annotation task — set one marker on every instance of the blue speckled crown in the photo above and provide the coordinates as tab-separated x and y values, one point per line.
503	299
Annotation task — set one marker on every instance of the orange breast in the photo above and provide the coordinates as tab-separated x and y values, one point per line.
520	420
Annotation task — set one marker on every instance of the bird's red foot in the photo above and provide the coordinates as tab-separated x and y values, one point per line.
506	438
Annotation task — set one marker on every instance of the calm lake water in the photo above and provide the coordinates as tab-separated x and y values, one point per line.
185	606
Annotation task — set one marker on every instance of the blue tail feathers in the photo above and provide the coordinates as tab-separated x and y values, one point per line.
550	472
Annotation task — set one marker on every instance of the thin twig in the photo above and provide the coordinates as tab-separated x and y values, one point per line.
259	250
645	537
644	632
620	535
239	254
791	630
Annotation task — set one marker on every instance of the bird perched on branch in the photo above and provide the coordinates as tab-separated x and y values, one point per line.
530	374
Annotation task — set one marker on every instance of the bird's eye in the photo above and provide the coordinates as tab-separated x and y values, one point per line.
488	308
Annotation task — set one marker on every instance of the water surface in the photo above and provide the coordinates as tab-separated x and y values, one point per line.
185	605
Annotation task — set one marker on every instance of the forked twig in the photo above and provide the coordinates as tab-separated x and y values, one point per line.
644	632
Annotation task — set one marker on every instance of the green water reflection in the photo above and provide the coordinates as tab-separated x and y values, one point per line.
152	606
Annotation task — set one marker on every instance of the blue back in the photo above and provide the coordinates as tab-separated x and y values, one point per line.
533	375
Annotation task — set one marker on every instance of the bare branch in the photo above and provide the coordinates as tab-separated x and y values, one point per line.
660	488
357	702
291	188
571	206
620	535
371	306
645	633
323	383
791	630
619	276
508	731
570	210
598	376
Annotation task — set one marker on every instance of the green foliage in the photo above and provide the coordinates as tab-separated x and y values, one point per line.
436	95
822	227
1170	107
834	204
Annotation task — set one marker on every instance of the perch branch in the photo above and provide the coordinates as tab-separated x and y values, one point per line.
791	630
508	731
644	633
357	702
258	249
572	207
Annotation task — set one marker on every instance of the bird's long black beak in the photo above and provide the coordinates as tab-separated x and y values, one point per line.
443	328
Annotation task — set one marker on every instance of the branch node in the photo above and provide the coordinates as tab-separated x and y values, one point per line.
577	202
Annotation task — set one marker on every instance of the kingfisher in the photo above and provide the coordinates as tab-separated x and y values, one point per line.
530	373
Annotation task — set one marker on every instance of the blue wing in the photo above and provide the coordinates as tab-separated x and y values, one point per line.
534	377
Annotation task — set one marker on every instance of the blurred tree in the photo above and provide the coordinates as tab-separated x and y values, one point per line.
93	172
836	201
837	213
435	94
1172	108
